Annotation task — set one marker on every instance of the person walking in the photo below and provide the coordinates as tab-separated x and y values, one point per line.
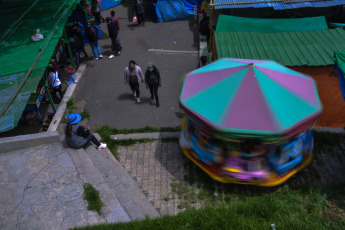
96	11
113	34
79	136
55	84
140	11
92	37
153	81
134	75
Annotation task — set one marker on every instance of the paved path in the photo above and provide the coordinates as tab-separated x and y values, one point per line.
41	188
156	166
110	102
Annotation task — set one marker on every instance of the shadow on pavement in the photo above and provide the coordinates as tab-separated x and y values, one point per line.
126	96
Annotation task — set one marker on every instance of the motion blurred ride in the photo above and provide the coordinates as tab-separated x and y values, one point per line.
248	121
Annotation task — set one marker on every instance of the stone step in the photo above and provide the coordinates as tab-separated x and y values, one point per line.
157	135
127	191
112	210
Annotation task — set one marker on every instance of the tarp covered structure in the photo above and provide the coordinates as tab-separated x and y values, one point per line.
308	52
18	22
170	10
276	5
107	4
228	23
311	48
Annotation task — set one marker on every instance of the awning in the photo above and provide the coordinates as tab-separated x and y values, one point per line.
18	22
275	4
311	48
228	23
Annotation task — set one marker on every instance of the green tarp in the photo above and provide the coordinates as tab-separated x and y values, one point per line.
18	22
239	24
311	48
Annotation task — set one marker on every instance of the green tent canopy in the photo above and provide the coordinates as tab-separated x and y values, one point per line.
311	48
18	22
240	24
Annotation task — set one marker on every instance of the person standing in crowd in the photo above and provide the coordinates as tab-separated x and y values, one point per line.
153	81
75	48
71	72
115	43
112	16
96	11
134	75
139	11
79	136
92	37
55	83
77	32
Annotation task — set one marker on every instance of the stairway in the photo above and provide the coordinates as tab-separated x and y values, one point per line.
123	199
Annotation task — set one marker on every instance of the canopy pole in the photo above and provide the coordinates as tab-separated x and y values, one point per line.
68	48
47	90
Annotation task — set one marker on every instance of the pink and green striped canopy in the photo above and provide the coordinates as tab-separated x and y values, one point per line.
250	97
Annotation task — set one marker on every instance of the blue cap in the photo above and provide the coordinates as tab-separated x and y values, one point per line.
74	118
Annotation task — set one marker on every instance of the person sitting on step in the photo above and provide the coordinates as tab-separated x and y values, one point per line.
79	136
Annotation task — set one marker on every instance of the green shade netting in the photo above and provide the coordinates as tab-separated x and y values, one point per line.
239	24
19	52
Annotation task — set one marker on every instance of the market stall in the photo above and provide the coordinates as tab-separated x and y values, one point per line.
248	121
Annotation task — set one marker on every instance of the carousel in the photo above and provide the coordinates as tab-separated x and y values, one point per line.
248	121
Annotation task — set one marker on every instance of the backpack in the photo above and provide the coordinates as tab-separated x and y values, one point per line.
93	33
140	8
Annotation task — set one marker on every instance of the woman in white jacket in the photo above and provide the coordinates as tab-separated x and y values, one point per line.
134	75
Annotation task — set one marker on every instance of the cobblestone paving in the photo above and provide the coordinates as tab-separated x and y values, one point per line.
156	166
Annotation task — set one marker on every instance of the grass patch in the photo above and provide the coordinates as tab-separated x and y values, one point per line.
91	195
70	104
106	131
85	114
287	209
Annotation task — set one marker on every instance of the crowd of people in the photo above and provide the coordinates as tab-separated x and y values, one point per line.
78	136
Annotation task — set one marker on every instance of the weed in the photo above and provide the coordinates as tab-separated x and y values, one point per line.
91	195
85	114
70	105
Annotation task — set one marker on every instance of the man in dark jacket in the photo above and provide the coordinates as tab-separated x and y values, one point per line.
77	32
75	48
140	11
113	34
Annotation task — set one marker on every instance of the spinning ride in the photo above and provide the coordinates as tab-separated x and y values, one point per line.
248	121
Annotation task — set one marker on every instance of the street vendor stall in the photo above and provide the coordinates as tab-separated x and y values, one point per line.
248	121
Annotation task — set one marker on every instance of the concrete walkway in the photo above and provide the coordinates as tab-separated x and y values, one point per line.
110	102
42	188
157	135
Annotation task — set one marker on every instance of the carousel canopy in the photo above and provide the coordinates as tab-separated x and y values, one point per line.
250	98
